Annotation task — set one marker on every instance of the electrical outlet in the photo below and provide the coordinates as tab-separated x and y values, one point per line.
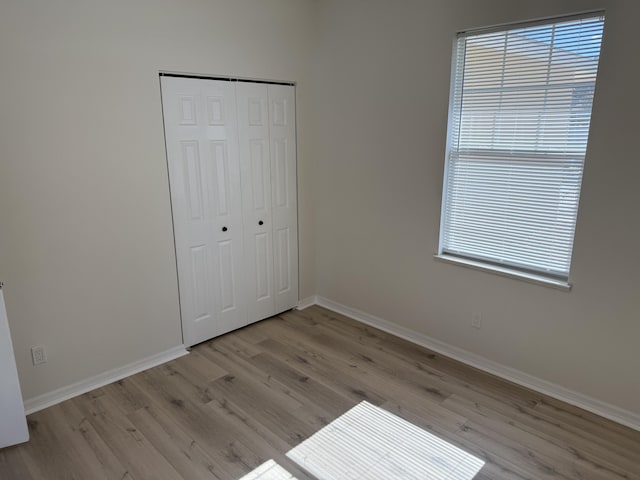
476	320
38	355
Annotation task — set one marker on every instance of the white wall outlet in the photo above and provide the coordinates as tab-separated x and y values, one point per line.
476	320
38	355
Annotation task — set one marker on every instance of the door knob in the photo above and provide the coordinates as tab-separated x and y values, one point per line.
260	222
224	229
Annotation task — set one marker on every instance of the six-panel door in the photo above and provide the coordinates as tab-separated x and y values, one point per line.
283	195
232	169
202	151
255	161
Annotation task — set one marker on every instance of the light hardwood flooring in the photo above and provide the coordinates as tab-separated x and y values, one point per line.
251	395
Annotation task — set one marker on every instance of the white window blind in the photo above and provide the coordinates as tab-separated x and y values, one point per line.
519	122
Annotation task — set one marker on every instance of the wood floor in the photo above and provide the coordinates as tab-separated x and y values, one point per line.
252	395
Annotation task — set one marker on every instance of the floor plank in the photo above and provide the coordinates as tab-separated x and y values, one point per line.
251	395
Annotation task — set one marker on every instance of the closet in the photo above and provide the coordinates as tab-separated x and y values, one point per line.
231	155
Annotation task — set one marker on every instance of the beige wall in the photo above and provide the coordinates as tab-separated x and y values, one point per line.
86	246
85	229
381	89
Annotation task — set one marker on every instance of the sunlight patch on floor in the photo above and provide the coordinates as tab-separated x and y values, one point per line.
269	470
369	443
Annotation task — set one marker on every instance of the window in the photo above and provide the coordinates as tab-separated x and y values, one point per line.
518	125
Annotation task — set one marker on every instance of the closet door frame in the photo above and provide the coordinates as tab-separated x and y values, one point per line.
289	245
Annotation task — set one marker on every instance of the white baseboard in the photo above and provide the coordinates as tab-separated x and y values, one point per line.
616	414
307	302
54	397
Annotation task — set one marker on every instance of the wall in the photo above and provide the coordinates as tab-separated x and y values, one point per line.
86	245
381	95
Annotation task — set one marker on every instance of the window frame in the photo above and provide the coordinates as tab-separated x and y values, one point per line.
457	70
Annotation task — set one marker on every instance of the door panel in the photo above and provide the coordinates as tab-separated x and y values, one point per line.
216	110
220	129
189	201
200	282
188	108
284	199
259	171
283	266
202	153
226	276
220	159
255	161
193	178
280	174
262	266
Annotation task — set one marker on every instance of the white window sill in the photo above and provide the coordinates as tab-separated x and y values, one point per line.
505	272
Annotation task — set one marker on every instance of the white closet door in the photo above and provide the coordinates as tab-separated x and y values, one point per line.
255	161
282	137
202	151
